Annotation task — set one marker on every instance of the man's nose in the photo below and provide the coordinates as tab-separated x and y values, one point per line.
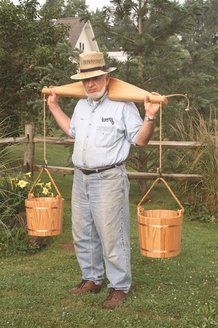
91	82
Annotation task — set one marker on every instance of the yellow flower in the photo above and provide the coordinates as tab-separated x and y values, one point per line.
45	191
48	185
28	174
13	181
22	183
40	184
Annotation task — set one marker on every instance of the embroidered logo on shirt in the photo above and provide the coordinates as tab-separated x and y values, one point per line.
108	119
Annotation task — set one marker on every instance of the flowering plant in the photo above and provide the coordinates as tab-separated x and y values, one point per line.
23	183
13	192
43	189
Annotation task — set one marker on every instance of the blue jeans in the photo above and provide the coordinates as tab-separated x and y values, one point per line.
101	228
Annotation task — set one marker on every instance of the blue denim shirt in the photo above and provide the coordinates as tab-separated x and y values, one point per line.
103	132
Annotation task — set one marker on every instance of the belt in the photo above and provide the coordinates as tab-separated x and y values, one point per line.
87	172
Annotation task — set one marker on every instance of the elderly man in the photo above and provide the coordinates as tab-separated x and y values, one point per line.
104	131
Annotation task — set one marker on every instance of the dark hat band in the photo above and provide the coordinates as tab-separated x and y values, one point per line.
101	68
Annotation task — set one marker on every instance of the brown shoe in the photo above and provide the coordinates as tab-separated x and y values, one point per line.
85	286
114	299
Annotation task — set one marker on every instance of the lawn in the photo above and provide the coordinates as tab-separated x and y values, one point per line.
176	292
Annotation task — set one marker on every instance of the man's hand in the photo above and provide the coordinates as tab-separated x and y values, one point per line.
61	118
145	132
151	109
52	100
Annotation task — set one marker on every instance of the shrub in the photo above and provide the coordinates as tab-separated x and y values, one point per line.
202	160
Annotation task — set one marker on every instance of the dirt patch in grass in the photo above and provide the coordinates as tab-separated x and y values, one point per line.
68	246
8	293
157	316
70	302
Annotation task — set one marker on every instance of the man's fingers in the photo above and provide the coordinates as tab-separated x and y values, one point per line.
52	92
147	99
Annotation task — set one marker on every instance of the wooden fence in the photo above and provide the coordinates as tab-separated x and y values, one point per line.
29	140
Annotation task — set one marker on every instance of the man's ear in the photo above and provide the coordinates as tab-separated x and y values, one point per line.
107	78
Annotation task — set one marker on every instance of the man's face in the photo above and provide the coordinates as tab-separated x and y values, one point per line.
95	87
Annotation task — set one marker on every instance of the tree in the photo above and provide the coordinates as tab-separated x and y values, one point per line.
171	48
52	9
75	8
200	40
33	54
148	31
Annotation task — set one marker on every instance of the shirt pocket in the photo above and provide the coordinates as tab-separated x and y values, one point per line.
105	136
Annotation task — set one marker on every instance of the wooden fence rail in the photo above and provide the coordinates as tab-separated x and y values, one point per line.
30	140
131	174
13	140
69	142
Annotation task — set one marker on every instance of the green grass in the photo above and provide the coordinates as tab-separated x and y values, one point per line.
57	155
176	292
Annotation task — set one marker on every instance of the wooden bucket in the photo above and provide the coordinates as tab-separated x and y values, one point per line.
117	90
44	214
160	231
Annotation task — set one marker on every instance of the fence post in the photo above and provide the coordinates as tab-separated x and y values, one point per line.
29	147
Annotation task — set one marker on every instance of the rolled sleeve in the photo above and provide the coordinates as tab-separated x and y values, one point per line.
132	121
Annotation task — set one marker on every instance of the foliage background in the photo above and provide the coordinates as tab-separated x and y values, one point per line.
171	48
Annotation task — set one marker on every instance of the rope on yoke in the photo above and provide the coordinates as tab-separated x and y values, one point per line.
159	170
160	137
44	131
44	166
181	95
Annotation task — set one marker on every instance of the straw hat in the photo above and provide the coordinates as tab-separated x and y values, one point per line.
91	64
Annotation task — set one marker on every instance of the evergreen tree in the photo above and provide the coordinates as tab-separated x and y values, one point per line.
148	31
201	42
75	8
171	48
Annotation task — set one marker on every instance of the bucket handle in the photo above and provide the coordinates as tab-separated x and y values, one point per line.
168	187
37	179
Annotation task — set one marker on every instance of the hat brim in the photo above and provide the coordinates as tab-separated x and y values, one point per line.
89	75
